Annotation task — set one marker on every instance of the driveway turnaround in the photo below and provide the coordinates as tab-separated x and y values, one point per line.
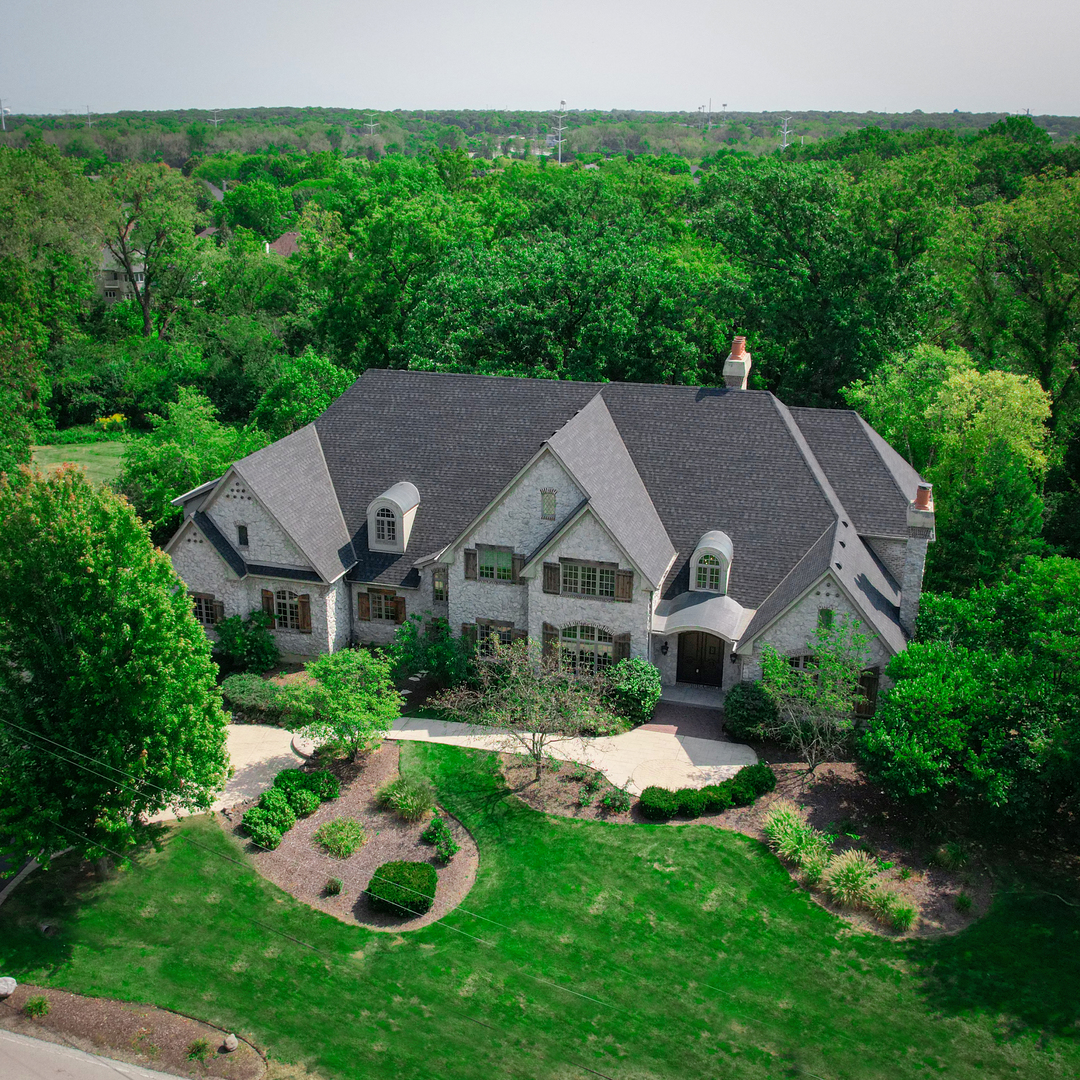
634	760
23	1058
257	753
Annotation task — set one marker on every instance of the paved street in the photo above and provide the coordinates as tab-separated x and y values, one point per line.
23	1058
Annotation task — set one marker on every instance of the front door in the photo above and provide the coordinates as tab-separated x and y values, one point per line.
701	659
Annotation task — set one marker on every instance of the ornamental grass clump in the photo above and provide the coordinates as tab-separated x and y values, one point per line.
796	842
340	837
849	879
409	799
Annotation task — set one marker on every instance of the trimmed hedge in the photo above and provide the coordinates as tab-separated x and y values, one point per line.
743	789
403	888
746	707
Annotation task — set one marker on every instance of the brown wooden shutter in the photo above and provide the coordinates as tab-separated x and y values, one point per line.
363	607
550	639
303	606
624	584
552	578
516	564
399	609
622	647
470	632
268	606
219	610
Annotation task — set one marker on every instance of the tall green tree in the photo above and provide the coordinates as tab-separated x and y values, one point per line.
109	708
303	389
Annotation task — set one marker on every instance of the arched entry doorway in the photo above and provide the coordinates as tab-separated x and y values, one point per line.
701	659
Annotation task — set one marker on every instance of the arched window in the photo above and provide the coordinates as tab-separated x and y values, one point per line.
710	573
287	610
385	526
586	649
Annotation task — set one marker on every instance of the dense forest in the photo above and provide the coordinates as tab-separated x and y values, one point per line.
928	277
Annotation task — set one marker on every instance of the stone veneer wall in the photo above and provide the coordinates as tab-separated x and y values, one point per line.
267	543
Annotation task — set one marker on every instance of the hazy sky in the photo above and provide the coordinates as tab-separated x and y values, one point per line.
888	55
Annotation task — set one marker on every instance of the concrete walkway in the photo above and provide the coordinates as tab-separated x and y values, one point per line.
24	1058
258	753
635	759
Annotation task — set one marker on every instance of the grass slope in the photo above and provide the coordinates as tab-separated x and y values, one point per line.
101	460
634	952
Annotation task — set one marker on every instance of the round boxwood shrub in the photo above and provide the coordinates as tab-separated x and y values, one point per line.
634	689
403	888
320	782
717	798
760	779
658	803
302	801
746	707
260	826
692	801
276	804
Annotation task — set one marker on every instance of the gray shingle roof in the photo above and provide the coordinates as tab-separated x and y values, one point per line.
593	450
874	482
290	478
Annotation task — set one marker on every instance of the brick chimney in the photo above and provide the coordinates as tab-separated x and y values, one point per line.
920	523
737	365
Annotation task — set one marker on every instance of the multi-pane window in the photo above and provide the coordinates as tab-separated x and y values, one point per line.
439	583
803	662
495	564
708	573
204	610
587	579
547	504
287	610
586	649
385	526
488	634
241	535
382	606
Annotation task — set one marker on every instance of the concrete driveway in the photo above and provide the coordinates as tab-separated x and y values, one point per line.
23	1058
257	754
635	759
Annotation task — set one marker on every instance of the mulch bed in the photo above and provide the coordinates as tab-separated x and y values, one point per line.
836	799
138	1034
302	869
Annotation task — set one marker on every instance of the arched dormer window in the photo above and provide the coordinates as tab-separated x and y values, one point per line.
385	525
710	565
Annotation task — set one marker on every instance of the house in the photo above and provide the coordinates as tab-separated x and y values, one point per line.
112	282
686	525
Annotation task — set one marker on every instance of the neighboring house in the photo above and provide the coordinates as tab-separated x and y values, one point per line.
288	243
685	525
112	281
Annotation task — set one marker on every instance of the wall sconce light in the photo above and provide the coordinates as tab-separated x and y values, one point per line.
664	649
734	658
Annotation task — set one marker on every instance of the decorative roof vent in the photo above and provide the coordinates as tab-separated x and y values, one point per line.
737	365
390	517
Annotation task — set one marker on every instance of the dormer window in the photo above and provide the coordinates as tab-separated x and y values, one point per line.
386	526
710	564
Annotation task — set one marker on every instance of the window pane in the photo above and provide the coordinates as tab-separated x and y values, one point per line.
606	583
603	635
588	580
569	632
486	562
570	577
587	633
547	505
504	561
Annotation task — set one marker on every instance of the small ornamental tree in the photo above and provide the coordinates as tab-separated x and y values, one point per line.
109	710
815	705
529	699
350	698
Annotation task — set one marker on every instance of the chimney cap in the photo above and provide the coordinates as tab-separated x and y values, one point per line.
738	346
923	496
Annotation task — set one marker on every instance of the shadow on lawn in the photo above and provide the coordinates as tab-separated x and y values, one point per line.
1021	962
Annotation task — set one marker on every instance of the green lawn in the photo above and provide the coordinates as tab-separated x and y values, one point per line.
621	951
101	460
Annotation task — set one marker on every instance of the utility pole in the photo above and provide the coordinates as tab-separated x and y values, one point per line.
560	116
371	125
89	122
3	116
215	121
784	133
708	122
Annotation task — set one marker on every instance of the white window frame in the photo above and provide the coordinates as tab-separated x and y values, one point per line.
286	609
588	579
204	609
440	584
385	525
382	607
585	648
709	573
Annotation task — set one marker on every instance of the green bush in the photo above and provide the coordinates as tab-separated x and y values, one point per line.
302	801
340	837
796	842
334	886
746	707
427	644
658	803
246	644
849	878
717	798
616	800
409	799
260	826
322	783
691	801
963	902
403	888
438	833
254	700
199	1050
36	1006
903	916
633	689
276	803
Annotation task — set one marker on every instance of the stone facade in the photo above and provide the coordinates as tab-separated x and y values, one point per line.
268	544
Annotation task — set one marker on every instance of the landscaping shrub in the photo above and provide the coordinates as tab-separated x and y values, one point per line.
334	886
633	689
759	778
246	644
658	803
36	1006
717	798
963	902
795	841
403	888
409	799
616	800
322	783
952	855
438	833
589	788
199	1051
849	878
302	801
270	818
260	827
746	708
691	802
254	700
276	803
903	916
340	837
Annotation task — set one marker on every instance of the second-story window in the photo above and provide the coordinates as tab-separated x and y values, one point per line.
439	583
385	526
495	564
241	535
587	579
547	504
